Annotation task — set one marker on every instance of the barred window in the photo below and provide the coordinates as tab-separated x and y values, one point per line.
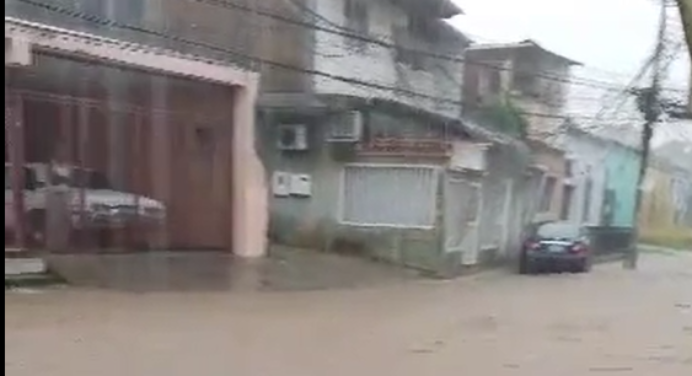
390	196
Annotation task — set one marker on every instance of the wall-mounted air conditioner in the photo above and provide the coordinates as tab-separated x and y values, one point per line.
346	128
292	137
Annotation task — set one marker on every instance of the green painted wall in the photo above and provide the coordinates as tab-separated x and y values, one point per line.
622	166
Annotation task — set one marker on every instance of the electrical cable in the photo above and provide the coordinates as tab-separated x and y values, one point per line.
112	23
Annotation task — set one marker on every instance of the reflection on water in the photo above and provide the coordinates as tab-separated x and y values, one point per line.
285	269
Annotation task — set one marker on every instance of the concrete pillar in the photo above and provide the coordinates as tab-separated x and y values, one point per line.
14	133
250	200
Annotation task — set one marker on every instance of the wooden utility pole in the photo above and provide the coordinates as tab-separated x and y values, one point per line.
685	8
649	100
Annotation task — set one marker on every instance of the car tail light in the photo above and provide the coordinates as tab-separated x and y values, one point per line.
579	248
532	245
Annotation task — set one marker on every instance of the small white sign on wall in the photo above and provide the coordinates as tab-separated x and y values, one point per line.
281	184
301	185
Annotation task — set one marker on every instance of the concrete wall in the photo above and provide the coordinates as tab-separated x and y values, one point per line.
658	208
507	204
667	201
377	64
552	161
545	99
312	222
589	156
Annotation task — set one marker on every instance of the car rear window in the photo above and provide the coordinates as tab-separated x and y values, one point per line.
558	231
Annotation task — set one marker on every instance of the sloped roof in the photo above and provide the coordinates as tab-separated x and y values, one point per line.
528	43
435	8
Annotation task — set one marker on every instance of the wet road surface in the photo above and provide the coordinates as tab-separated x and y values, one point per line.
611	322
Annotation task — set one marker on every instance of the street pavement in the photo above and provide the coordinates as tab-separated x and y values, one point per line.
608	322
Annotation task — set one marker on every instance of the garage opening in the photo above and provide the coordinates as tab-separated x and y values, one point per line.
100	158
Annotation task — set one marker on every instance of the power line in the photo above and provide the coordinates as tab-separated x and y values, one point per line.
112	23
352	34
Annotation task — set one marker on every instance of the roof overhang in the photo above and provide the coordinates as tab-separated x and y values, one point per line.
526	44
434	8
25	37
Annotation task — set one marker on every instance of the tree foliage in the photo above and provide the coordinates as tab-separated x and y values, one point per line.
505	117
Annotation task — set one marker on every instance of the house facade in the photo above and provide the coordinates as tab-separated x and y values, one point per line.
591	202
124	105
556	186
606	179
667	202
530	82
622	171
368	154
531	77
410	24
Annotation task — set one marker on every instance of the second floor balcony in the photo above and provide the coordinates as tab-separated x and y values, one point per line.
194	28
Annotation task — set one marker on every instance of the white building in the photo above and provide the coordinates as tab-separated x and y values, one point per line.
409	24
587	155
365	49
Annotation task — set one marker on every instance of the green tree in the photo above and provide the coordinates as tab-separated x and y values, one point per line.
505	117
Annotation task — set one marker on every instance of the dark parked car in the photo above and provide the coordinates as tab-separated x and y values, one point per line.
556	245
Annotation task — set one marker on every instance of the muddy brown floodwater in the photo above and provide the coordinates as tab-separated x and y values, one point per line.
611	322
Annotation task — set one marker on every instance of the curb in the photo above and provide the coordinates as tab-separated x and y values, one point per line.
32	280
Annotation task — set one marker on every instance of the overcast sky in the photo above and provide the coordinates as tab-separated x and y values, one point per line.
615	36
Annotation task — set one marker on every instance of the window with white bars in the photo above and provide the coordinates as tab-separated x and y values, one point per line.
389	196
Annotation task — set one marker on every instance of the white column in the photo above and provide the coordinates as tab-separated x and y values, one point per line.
250	200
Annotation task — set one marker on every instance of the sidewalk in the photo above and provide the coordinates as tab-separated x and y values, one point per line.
286	269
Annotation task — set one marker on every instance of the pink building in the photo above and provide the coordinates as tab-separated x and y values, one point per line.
160	126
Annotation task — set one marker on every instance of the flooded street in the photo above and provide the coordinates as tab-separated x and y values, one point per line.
610	322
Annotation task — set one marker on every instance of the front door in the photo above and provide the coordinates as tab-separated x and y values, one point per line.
462	206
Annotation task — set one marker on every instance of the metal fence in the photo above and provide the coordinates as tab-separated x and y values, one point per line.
92	174
611	240
389	196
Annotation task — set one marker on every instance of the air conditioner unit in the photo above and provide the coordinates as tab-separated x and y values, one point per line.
292	137
346	128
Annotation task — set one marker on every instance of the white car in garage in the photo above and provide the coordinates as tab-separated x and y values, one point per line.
92	201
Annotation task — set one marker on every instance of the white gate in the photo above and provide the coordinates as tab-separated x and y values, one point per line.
462	207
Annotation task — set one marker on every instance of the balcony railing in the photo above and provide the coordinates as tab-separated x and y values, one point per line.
406	147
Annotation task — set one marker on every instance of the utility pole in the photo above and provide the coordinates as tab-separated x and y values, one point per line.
650	107
685	9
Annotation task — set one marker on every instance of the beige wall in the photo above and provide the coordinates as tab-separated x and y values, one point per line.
552	162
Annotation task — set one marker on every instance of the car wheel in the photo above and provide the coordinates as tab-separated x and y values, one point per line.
527	266
522	265
581	266
586	265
